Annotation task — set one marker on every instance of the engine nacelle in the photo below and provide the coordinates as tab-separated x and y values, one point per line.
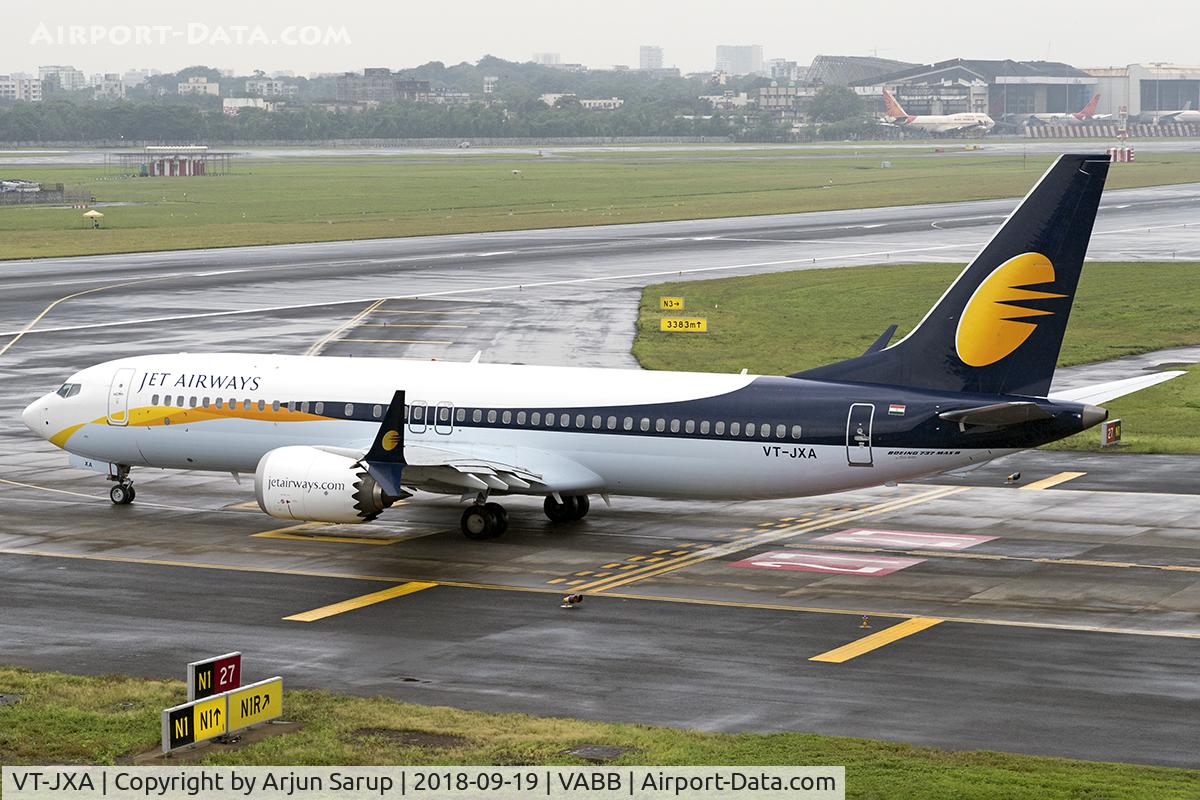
309	484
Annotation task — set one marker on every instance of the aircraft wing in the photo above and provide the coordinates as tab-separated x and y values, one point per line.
1099	393
447	469
442	465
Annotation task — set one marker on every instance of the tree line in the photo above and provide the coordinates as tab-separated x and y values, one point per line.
61	121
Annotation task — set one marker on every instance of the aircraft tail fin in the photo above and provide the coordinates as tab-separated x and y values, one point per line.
894	110
999	327
1089	110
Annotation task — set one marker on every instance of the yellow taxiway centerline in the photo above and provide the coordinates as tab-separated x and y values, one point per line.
398	341
840	655
758	539
1053	480
304	537
361	601
319	345
651	598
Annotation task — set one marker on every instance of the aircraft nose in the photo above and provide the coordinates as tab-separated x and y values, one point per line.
33	416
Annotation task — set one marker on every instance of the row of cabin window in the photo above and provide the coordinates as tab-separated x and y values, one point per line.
660	425
417	417
246	405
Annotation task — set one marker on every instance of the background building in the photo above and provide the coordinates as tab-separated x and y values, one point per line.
199	85
739	59
847	70
109	86
999	88
780	69
269	87
67	79
378	85
26	89
232	105
650	57
547	59
1143	90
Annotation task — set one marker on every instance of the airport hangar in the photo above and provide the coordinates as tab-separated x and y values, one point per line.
1002	88
1058	615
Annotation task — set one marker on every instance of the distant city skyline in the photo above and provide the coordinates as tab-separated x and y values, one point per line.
321	38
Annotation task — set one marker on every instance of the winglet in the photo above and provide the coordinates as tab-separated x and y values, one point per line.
385	460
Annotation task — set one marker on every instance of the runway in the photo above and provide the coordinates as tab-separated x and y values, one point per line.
1059	618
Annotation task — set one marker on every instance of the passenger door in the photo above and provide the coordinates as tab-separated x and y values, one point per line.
443	421
858	434
416	416
118	397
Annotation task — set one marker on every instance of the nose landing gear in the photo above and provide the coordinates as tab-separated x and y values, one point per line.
122	492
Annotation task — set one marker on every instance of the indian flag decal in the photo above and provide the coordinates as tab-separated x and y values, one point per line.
896	409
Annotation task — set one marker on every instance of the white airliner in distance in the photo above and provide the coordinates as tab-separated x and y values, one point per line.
1185	114
342	439
964	122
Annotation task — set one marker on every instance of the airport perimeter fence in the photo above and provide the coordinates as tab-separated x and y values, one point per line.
1113	130
398	143
50	193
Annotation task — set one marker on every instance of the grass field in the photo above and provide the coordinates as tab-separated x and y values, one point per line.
102	720
786	322
322	199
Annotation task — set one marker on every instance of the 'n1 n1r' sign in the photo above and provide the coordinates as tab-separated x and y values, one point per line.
834	564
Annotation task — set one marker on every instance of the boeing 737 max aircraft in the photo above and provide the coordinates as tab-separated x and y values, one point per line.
342	439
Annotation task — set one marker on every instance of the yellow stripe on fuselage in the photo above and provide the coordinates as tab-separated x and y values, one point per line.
149	416
59	439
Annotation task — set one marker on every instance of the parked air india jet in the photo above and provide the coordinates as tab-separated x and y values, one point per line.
1083	115
963	122
342	439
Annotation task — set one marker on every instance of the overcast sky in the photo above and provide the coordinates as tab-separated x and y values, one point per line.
599	33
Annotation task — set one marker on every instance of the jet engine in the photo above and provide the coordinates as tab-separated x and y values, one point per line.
314	485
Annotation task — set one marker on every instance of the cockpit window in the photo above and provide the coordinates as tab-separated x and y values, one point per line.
68	390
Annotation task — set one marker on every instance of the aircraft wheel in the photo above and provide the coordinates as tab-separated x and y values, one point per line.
499	518
582	506
556	511
121	494
478	523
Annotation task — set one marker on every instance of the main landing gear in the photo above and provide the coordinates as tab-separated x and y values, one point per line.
484	521
488	520
122	492
571	509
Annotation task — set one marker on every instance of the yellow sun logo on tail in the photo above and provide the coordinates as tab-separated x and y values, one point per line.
991	326
391	440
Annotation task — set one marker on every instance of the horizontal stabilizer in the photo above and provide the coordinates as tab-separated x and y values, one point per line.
882	341
1103	392
998	414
